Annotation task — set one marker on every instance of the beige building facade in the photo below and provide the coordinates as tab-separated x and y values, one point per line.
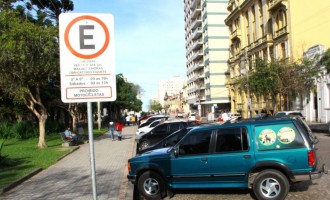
271	30
206	55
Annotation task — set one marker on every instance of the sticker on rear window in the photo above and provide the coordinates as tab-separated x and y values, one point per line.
286	135
267	137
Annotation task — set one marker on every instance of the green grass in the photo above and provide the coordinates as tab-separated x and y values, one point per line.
22	156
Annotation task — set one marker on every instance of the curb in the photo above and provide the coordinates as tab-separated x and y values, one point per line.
21	180
320	128
72	150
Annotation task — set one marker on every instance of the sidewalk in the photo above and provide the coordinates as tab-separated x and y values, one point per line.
70	178
319	127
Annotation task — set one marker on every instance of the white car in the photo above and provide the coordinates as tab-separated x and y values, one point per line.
146	129
289	113
192	117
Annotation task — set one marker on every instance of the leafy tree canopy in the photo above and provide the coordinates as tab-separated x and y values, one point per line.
156	106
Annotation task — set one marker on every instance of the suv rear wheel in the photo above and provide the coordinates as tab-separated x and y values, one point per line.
271	185
151	185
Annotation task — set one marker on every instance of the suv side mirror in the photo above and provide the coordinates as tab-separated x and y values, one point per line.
176	151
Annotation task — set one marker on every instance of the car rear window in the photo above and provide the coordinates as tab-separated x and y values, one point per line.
310	136
278	136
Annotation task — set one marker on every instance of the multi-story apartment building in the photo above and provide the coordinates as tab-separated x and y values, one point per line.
170	87
271	30
206	54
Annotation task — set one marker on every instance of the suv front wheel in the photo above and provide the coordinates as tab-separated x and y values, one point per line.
271	185
151	185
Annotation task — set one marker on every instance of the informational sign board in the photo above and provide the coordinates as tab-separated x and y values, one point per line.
87	57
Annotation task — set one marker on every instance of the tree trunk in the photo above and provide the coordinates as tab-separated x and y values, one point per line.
42	131
73	110
74	123
34	103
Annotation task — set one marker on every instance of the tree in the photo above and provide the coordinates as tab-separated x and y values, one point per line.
126	97
279	79
29	59
325	60
155	106
51	8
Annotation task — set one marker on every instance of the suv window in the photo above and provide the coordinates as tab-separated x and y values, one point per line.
160	128
311	137
231	139
196	143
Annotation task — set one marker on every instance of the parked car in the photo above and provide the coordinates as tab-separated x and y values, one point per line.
232	117
261	116
179	115
266	156
152	119
146	129
168	141
192	116
288	113
160	132
144	117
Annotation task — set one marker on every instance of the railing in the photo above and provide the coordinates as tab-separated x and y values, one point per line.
197	32
273	3
236	34
280	32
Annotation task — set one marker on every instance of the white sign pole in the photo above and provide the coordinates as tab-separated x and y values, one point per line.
91	147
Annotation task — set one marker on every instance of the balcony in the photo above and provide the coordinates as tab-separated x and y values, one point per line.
236	35
198	54
196	23
231	59
274	4
280	32
200	76
267	38
194	3
197	33
231	15
197	44
198	65
196	13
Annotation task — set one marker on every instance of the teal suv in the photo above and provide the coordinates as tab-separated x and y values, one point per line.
263	155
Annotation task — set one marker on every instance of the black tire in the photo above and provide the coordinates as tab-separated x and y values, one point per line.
151	185
144	144
271	185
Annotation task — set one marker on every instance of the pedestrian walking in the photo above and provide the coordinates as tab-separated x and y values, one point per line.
119	128
112	130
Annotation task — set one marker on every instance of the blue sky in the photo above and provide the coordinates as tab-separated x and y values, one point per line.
149	39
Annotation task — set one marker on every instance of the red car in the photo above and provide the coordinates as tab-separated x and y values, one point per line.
144	117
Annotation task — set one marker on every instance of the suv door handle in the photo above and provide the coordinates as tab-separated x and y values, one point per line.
247	156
